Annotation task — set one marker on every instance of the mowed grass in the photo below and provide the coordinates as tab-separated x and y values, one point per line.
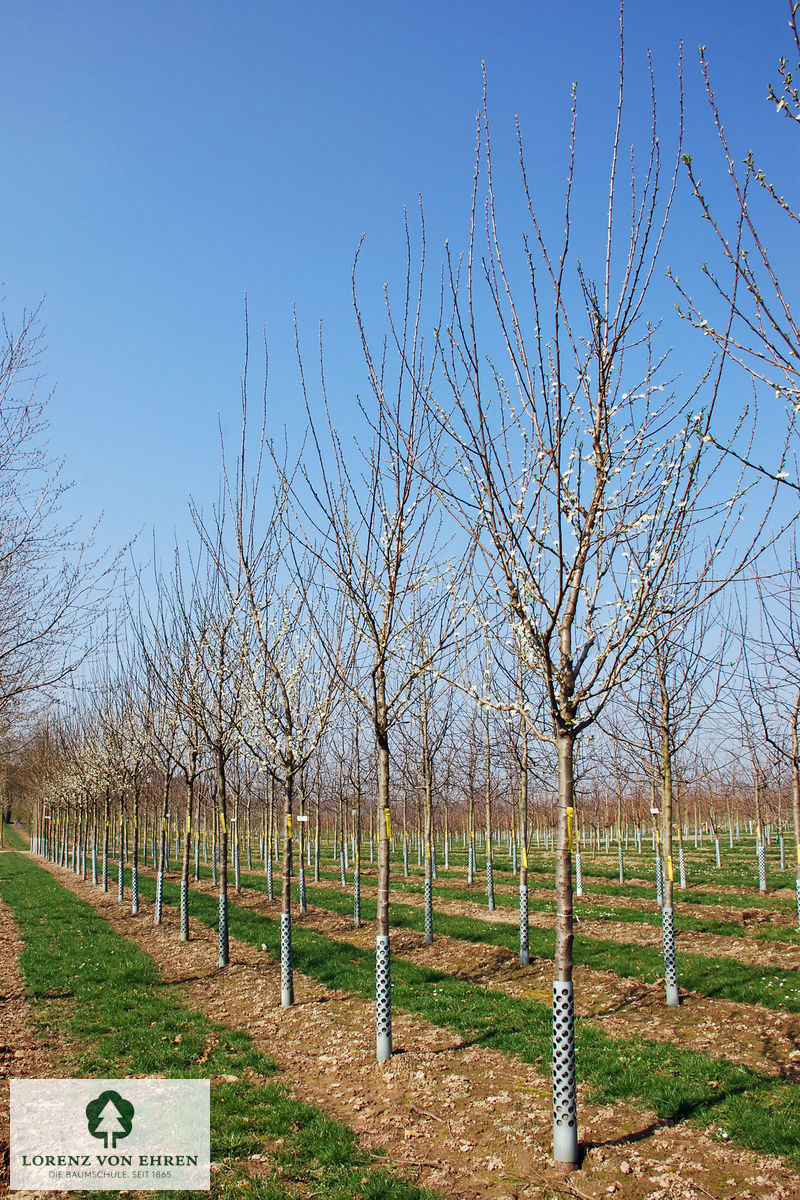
106	996
753	1110
586	908
716	977
600	876
720	977
13	839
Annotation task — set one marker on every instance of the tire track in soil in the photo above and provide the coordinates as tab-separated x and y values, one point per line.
465	1119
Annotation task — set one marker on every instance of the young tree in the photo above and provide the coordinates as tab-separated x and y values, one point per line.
290	633
681	677
584	476
772	664
207	607
52	584
378	534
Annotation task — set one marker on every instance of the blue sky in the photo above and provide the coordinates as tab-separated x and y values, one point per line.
162	160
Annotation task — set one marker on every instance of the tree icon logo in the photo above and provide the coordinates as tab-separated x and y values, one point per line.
109	1116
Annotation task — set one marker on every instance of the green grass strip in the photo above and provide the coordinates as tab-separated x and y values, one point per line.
717	977
13	839
106	994
755	1110
714	977
720	977
636	887
586	908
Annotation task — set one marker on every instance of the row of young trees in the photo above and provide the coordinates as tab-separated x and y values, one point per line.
70	780
540	516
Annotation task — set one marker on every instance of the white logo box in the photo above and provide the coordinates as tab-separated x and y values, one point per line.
138	1134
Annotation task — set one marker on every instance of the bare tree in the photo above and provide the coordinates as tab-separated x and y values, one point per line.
53	585
206	606
684	671
584	475
292	636
772	667
748	310
378	541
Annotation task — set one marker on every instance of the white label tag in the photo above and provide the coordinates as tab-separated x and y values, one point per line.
110	1134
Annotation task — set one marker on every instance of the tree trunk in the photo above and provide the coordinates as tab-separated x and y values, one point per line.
488	799
187	847
135	862
524	952
667	916
106	834
565	1112
760	850
162	852
287	974
383	1000
471	839
301	857
357	840
121	871
796	807
222	803
427	792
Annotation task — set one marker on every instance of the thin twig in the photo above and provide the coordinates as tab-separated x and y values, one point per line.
425	1113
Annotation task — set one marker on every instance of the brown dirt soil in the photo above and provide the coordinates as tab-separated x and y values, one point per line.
782	956
459	1117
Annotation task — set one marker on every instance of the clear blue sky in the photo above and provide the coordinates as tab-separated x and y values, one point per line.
162	160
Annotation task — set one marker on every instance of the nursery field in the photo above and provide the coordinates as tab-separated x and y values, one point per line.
674	1104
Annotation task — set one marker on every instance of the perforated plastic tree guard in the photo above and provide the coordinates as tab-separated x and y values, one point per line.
383	998
287	980
565	1108
670	972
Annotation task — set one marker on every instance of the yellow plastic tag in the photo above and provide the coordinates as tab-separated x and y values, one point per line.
222	821
427	849
570	811
472	834
388	824
669	867
164	824
524	858
188	822
288	825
